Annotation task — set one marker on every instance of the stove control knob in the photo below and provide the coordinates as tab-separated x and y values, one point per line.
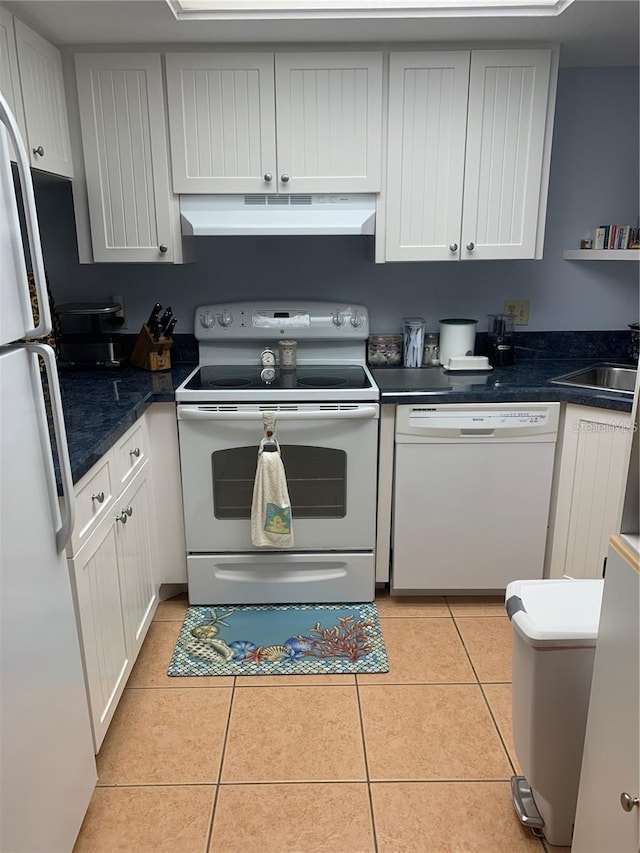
357	319
207	319
338	319
225	319
267	374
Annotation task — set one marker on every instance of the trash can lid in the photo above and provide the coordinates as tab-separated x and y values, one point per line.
561	612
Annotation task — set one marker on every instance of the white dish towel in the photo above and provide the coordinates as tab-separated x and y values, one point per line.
271	508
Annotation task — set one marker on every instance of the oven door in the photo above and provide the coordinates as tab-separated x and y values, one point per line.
329	453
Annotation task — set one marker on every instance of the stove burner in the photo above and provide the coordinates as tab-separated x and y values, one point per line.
322	382
230	382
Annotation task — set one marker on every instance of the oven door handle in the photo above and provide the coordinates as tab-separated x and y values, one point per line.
202	413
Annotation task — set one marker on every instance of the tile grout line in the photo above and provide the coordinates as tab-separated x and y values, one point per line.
495	723
366	768
219	779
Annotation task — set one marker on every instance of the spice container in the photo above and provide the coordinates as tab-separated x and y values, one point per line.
288	351
384	350
431	351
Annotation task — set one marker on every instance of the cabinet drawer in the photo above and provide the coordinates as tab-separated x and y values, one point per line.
94	495
130	453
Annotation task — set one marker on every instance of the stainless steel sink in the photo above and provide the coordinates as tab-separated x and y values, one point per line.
602	377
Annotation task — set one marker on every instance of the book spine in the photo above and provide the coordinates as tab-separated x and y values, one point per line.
613	230
598	237
624	233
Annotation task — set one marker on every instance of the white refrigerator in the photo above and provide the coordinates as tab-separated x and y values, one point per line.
47	766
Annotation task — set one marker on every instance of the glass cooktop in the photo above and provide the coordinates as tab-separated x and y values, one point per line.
250	378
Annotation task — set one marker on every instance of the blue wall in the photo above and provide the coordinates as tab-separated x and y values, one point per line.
594	180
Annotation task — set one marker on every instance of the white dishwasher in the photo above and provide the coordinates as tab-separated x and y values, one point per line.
471	495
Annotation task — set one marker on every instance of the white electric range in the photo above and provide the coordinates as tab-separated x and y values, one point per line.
326	421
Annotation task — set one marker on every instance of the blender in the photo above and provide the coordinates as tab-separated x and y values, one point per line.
500	343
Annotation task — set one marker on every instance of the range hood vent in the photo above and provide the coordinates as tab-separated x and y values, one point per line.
259	214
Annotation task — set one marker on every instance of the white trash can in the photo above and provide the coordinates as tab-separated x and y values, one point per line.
555	628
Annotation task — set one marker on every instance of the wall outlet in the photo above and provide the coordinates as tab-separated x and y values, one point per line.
519	308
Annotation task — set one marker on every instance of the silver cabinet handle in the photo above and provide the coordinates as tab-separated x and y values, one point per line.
628	802
268	177
453	247
135	452
284	178
99	496
128	511
122	517
471	246
163	248
39	151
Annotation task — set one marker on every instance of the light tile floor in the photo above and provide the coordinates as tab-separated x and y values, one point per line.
417	759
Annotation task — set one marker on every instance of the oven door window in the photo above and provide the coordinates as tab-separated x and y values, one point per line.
316	477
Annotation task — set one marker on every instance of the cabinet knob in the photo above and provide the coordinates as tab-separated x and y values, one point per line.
135	452
471	246
99	496
628	802
122	517
39	151
268	177
453	247
129	511
163	248
284	178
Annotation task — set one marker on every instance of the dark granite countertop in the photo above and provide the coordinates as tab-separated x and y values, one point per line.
524	381
100	405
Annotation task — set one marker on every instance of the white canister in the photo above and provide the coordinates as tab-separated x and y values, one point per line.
457	337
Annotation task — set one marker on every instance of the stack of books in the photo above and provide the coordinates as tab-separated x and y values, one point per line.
615	237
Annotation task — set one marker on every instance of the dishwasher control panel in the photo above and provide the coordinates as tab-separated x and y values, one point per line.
483	421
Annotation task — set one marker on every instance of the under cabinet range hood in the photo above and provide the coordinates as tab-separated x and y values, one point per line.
270	215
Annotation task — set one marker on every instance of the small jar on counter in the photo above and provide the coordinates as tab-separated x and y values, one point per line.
384	350
431	352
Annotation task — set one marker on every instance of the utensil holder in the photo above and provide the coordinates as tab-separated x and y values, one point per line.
149	354
413	344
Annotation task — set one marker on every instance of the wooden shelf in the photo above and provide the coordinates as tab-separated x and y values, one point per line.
601	254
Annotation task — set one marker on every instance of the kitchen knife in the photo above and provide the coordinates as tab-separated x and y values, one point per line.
155	313
166	319
170	327
156	330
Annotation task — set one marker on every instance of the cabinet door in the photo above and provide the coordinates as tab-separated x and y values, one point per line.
611	758
136	571
222	122
97	584
44	103
9	75
507	121
425	168
125	151
328	119
594	456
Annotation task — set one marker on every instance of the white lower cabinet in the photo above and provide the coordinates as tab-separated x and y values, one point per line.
589	480
116	593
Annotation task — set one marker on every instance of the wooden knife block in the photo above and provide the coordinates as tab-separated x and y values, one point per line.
149	354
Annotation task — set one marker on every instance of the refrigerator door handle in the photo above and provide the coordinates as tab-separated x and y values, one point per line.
33	231
63	534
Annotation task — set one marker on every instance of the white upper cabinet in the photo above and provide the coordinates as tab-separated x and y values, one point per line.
508	96
122	117
293	122
45	109
425	171
468	154
221	121
9	74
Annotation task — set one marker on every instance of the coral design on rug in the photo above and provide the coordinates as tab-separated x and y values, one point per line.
280	640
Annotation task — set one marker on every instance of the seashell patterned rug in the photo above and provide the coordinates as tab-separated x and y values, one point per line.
280	639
